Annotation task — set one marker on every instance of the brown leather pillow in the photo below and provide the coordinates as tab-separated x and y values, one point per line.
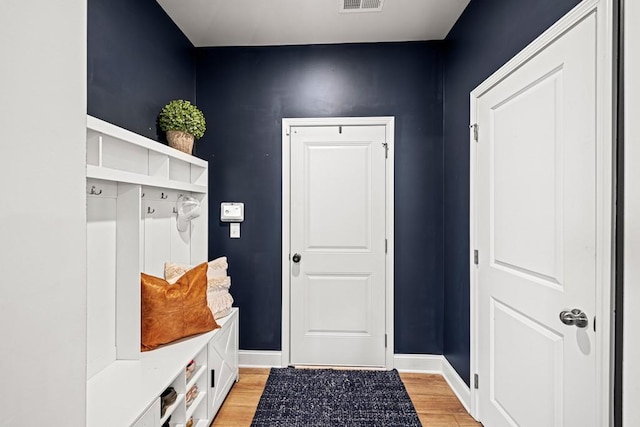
170	312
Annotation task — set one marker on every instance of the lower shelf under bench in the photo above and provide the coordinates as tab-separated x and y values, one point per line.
126	393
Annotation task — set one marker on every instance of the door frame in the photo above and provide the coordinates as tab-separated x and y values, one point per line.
605	202
287	123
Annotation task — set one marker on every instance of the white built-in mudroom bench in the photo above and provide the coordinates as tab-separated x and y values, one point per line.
133	184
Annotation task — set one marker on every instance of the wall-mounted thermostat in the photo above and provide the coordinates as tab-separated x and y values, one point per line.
231	212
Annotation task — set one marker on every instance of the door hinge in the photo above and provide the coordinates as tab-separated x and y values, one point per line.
385	340
386	150
386	245
475	256
474	127
475	381
287	130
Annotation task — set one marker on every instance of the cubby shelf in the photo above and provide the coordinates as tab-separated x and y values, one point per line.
195	377
133	178
116	154
172	408
195	404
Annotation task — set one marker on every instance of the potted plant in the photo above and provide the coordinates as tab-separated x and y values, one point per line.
183	122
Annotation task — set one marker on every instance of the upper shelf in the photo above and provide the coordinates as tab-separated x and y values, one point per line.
116	154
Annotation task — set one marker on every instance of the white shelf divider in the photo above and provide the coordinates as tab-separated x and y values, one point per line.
128	272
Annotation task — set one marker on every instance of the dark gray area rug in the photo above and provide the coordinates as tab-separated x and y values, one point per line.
327	397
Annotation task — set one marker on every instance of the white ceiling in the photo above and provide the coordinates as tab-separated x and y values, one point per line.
294	22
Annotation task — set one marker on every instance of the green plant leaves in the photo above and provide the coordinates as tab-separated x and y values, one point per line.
184	116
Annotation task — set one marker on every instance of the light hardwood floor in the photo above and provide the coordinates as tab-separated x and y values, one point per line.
434	401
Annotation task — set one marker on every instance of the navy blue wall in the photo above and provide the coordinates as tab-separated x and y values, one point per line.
245	92
138	60
488	34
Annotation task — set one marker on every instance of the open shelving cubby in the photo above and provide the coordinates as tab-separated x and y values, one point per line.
116	154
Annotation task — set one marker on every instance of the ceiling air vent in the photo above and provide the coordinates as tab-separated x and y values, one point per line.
350	6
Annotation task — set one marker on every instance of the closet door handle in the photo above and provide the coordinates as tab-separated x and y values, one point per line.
574	317
296	258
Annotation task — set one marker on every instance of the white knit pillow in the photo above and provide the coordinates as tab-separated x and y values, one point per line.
219	299
217	268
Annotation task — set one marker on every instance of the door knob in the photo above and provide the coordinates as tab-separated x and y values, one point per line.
574	317
296	258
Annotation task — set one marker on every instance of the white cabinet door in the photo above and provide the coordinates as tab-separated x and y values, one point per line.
223	363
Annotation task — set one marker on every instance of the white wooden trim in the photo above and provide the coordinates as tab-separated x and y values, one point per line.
389	123
473	270
420	363
259	359
631	341
605	202
457	384
106	174
286	240
390	206
577	14
435	364
605	184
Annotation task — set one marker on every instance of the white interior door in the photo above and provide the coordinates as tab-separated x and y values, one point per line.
536	236
337	241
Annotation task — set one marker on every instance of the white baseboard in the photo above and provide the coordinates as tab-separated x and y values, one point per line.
457	384
435	364
426	363
259	359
